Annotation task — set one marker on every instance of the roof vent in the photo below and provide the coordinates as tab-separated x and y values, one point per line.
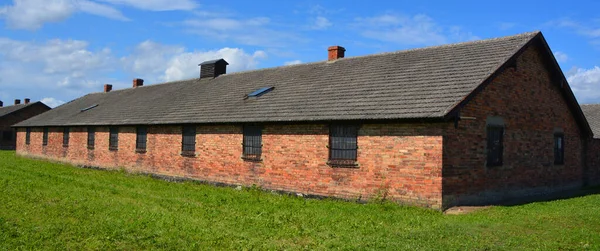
213	68
259	92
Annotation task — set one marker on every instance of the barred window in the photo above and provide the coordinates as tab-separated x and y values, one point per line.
140	139
91	139
252	142
7	135
66	132
188	141
495	145
27	135
343	145
113	139
559	148
45	137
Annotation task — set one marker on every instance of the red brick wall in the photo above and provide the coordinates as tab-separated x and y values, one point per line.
532	108
593	162
399	161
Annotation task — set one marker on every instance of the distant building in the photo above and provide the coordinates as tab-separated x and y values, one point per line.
461	124
10	115
592	114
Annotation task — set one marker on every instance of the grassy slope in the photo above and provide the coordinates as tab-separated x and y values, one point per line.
46	205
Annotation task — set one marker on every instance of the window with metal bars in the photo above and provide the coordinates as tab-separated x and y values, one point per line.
559	148
188	141
343	145
45	137
252	142
91	137
140	139
7	135
27	135
66	132
113	138
495	145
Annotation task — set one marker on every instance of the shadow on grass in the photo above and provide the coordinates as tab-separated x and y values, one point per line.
569	194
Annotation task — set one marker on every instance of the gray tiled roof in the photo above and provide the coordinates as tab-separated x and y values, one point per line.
13	108
592	114
418	83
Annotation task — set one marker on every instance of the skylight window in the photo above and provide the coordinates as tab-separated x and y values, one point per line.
91	107
261	91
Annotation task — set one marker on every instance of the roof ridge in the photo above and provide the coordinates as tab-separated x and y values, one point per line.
532	33
145	86
15	108
13	105
23	105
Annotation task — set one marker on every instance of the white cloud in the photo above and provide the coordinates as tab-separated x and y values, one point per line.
33	14
321	23
227	24
149	59
258	31
409	30
69	57
582	29
52	102
65	68
100	10
561	57
186	65
60	70
157	62
506	25
293	62
585	84
157	5
590	30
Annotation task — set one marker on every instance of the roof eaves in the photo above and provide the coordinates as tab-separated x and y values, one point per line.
21	108
430	118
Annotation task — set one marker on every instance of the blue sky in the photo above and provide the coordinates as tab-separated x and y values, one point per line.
58	50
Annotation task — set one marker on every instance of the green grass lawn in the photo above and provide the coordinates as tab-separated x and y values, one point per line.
55	206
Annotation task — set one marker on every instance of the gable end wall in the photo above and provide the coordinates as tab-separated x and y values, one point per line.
530	103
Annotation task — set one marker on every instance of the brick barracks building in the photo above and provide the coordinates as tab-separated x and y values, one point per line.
461	124
12	114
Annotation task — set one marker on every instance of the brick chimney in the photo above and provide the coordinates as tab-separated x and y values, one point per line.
17	101
336	52
1	104
108	87
27	100
137	82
